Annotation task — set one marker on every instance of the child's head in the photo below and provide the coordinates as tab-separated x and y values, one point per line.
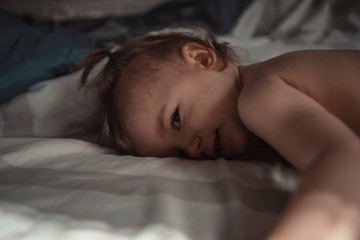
168	94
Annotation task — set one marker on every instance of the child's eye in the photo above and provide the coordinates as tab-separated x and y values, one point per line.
175	120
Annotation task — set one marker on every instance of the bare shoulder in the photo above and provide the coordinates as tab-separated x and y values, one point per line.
287	117
306	71
331	78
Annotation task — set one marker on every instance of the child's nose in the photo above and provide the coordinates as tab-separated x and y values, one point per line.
194	147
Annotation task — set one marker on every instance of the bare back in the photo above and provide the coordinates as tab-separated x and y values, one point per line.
315	82
332	78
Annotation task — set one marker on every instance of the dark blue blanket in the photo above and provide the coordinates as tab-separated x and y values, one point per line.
32	51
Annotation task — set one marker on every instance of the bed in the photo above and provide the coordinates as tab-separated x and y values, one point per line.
53	187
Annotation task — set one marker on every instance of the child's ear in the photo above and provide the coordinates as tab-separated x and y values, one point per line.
198	55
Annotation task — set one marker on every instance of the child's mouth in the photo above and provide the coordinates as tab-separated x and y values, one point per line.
218	147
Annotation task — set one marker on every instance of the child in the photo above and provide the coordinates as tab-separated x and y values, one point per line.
181	94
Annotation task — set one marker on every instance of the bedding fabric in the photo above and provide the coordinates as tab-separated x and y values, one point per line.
69	189
32	51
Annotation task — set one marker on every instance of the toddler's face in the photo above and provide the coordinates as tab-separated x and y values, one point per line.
192	114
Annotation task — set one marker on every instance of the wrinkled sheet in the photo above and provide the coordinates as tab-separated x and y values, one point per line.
70	189
270	27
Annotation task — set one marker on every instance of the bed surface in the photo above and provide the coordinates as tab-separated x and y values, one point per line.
70	189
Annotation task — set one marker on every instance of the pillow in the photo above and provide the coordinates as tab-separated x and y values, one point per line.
52	108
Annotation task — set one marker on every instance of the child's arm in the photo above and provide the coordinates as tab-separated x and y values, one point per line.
327	204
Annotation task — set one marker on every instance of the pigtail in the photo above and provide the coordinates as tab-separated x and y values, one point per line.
91	60
105	127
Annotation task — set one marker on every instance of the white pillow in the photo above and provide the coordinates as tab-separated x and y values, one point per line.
53	108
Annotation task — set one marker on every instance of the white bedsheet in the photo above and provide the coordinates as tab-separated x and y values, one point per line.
70	189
